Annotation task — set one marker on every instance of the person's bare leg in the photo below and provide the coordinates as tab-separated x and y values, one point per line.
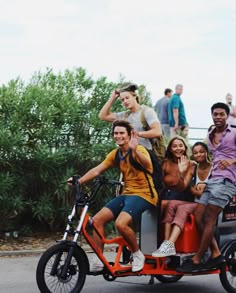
210	217
200	223
168	230
123	223
176	231
104	216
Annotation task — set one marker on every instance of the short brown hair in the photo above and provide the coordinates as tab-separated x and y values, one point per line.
122	123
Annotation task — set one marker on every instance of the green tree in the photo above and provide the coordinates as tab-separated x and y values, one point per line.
50	130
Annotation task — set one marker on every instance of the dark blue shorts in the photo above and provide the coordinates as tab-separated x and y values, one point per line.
132	204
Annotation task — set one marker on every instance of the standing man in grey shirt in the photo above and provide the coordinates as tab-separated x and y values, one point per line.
161	108
129	99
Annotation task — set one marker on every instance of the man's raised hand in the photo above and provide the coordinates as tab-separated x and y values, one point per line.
133	143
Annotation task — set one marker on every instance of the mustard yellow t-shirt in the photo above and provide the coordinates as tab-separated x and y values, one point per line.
135	180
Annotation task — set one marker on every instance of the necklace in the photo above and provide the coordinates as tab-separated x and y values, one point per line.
122	158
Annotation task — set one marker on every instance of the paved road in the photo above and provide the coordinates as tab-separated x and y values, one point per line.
17	275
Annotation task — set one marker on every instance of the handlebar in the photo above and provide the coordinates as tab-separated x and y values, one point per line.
84	197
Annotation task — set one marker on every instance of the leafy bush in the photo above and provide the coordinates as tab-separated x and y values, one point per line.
50	130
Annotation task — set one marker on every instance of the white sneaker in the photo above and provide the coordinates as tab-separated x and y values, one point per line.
95	264
138	261
167	248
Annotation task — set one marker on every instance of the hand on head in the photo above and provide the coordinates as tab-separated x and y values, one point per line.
115	94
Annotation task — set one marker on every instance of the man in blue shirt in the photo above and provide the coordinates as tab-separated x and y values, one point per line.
161	108
176	112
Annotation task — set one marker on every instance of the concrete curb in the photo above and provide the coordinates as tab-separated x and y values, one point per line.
29	252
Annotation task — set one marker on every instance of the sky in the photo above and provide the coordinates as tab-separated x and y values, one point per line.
153	42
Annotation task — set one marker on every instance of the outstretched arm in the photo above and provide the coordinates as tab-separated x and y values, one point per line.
105	113
93	173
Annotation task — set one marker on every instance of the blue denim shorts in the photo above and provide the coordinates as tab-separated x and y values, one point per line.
132	204
218	192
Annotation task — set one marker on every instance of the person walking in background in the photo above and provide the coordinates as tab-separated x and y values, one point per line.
176	112
232	110
161	108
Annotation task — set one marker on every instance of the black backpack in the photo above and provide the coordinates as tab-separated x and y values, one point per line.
156	174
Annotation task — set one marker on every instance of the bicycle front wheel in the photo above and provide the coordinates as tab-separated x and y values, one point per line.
50	266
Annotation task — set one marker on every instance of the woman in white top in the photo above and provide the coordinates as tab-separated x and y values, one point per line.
232	110
177	211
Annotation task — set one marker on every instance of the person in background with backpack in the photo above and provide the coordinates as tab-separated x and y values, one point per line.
177	211
129	99
136	196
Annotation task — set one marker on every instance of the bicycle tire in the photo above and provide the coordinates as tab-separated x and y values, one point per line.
78	269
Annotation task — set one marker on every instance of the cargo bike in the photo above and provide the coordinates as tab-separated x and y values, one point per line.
64	266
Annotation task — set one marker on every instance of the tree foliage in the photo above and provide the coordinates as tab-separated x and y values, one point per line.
49	130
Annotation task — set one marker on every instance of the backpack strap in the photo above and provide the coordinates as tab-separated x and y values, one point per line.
136	165
143	119
139	167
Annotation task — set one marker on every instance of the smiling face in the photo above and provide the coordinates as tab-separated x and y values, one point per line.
199	154
178	148
128	99
121	136
219	117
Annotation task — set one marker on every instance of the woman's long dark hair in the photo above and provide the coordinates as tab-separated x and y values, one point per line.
169	154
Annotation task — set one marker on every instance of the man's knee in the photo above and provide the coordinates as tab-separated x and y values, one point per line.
103	216
121	224
98	220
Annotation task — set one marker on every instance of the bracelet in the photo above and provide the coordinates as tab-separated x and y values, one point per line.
181	176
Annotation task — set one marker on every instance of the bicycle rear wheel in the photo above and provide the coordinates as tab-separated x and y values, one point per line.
228	278
50	266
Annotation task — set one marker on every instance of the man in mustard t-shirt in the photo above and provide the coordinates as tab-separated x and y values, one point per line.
135	198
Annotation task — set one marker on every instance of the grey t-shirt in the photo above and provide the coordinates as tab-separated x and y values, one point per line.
134	119
161	108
